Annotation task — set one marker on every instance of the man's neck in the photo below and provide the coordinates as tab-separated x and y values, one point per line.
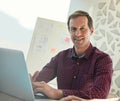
81	50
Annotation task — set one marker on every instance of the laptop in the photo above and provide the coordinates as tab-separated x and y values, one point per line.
14	76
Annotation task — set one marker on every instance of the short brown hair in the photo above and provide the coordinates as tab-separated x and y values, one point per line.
80	13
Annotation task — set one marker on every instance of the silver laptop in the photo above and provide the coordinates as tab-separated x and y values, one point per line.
14	76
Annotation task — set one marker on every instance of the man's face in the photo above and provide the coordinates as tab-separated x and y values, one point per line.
80	32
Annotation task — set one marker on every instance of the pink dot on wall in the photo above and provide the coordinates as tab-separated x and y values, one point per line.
67	39
53	50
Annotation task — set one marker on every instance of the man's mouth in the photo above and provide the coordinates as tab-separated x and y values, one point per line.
79	39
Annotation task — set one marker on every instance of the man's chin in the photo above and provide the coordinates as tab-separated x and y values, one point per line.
79	46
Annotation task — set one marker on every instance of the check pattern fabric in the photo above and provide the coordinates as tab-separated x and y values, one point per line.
87	77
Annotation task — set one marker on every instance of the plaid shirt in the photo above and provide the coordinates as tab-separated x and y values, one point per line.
87	77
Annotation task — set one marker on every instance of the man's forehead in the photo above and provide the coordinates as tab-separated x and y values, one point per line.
79	20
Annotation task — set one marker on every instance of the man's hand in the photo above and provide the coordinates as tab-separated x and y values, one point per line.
47	90
35	75
72	98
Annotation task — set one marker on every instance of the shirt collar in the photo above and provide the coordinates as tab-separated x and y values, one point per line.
84	55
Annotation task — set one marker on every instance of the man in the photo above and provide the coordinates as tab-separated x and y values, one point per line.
82	71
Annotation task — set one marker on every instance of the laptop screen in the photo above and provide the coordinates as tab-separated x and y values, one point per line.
14	77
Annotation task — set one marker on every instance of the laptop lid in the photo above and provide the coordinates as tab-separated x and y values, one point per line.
14	77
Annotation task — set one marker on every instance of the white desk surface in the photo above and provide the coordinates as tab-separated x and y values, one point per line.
5	97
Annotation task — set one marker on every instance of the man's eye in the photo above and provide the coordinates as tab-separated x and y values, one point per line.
73	29
82	28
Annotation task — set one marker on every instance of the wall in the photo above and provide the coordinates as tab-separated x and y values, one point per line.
49	37
18	18
106	16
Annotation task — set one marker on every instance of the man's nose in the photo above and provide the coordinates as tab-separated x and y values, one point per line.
78	33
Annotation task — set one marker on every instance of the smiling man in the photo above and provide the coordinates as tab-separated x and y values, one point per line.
83	71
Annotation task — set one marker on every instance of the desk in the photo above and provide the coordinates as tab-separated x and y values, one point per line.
5	97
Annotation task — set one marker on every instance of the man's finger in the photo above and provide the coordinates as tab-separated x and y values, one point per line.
35	76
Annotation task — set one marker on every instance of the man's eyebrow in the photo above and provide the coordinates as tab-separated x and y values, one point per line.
83	26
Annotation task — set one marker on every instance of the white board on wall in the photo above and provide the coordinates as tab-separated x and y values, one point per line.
49	37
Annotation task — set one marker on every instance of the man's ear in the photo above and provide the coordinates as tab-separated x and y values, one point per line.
92	30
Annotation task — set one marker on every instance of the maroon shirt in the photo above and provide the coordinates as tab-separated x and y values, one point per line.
87	77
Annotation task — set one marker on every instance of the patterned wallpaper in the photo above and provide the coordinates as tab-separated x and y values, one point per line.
107	35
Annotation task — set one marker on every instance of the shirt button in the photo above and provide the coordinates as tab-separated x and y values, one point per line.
77	63
74	77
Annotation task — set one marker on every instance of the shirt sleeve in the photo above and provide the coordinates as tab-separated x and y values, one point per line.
101	84
49	71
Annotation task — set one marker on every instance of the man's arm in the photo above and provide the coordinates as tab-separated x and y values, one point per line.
48	72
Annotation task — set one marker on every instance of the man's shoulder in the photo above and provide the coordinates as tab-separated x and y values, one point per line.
102	56
67	51
100	53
